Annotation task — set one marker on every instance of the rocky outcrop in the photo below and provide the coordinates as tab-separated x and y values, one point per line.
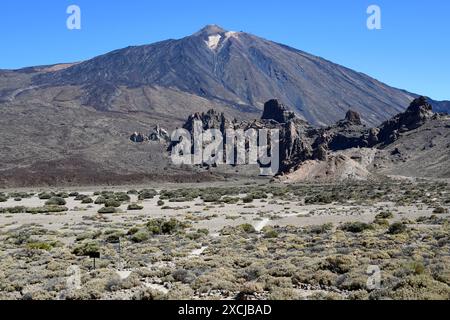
415	116
138	137
274	110
159	135
210	120
353	117
321	148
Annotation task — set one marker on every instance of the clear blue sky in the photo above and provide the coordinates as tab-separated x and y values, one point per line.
412	51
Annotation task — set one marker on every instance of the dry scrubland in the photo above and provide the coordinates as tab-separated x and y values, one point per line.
253	241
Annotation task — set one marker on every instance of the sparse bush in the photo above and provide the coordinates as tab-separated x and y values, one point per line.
321	229
132	231
107	210
356	227
247	228
160	203
62	195
147	194
80	197
397	228
87	200
319	199
230	200
338	264
86	249
55	201
162	226
270	232
140	236
184	276
40	246
122	197
384	215
46	209
100	200
17	209
112	203
135	206
258	194
440	210
212	197
45	195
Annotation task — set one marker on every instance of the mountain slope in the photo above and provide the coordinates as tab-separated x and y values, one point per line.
235	69
70	123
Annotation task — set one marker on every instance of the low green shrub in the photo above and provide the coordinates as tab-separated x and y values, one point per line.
147	194
397	228
247	228
55	201
87	200
122	197
324	228
356	227
40	246
100	200
86	249
107	210
80	197
162	226
112	203
140	236
135	206
384	215
45	195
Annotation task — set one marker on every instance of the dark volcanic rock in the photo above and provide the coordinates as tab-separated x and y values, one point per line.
353	117
158	134
210	120
138	137
274	110
415	116
300	142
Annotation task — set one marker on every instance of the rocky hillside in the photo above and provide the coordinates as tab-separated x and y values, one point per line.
70	123
233	72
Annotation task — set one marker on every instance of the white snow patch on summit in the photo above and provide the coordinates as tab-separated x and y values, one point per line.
230	34
213	41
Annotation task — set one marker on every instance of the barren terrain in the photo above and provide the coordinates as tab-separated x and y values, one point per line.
253	240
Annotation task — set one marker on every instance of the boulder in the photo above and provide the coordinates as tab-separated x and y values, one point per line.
137	137
159	135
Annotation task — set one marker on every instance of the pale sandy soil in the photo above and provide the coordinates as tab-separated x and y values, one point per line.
211	217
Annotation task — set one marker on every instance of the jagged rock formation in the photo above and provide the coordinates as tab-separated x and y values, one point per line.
415	116
274	110
210	120
159	135
345	150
